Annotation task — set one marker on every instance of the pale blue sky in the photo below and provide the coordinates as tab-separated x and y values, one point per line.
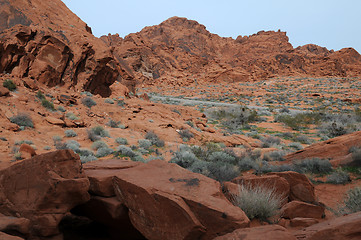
334	24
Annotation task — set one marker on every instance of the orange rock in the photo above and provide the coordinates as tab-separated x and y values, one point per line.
298	209
300	186
345	228
4	91
43	189
54	121
179	204
269	232
26	151
302	222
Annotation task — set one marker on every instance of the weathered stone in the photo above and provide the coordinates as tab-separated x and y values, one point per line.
296	209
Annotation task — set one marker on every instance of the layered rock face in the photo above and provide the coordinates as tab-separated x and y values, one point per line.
180	51
47	42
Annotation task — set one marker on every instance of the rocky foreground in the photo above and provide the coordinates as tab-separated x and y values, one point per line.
54	196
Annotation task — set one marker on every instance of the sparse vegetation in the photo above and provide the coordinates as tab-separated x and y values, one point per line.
352	201
23	120
88	102
155	140
96	133
47	104
113	124
339	177
70	133
121	141
258	201
185	134
9	84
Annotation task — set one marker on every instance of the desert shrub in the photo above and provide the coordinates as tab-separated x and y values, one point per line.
222	157
84	152
154	139
70	133
338	177
120	103
99	144
200	167
23	120
73	145
356	157
352	201
88	102
152	158
96	133
121	141
40	95
270	141
303	139
314	165
109	100
57	138
113	124
125	151
47	148
184	157
71	116
222	171
88	158
266	168
258	201
246	163
233	118
9	84
185	134
23	141
47	104
299	120
61	109
138	158
89	94
144	143
295	145
274	156
104	151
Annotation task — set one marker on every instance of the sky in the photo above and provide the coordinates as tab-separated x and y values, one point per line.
327	23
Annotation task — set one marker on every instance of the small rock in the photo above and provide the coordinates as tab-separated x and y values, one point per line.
302	222
296	209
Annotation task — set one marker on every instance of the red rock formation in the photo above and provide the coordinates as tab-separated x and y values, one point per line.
270	232
336	149
345	227
180	51
168	202
43	189
296	209
54	47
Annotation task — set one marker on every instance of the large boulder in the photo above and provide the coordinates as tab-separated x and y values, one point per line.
345	228
43	189
269	232
165	201
301	188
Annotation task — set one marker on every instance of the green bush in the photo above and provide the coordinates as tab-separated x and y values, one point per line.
113	124
71	116
61	109
108	100
88	102
299	120
270	141
40	95
9	84
125	151
49	105
22	120
222	157
274	156
222	171
258	201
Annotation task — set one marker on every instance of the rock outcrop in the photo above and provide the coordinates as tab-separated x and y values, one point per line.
168	202
43	189
180	52
336	149
345	227
47	42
